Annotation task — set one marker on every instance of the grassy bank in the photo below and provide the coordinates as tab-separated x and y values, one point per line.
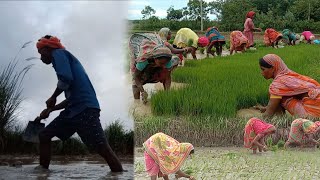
204	131
121	142
222	85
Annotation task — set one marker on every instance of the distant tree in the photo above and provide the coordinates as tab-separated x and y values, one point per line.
194	10
306	9
215	7
233	14
173	14
147	12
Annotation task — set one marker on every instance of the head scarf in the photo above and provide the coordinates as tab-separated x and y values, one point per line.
280	68
167	152
250	14
289	83
309	127
149	49
52	42
163	33
203	41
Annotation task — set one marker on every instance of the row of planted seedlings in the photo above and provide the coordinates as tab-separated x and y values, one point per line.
221	86
205	110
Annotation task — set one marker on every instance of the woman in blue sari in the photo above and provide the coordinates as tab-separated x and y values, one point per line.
216	40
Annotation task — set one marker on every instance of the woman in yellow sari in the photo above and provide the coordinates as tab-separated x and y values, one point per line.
164	155
185	37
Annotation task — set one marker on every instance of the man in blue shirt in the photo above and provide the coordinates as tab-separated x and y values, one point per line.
81	107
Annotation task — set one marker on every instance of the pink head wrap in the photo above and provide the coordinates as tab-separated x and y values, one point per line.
250	14
203	41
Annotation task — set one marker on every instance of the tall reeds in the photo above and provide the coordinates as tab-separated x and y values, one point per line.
10	95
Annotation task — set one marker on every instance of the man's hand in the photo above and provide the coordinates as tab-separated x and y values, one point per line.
45	113
51	102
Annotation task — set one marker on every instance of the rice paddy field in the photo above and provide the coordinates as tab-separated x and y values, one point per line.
222	85
204	112
239	163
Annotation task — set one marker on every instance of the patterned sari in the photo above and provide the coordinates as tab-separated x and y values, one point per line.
144	46
290	85
163	33
166	152
270	36
237	39
289	35
214	35
254	127
299	128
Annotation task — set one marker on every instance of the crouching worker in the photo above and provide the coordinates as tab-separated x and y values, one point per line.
255	132
81	109
272	37
303	129
151	62
164	155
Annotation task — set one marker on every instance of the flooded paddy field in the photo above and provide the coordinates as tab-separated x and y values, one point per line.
62	167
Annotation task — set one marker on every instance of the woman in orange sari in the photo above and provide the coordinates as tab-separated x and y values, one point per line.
296	93
249	28
255	132
164	155
272	37
238	42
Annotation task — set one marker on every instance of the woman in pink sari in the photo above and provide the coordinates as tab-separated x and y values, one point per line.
255	132
296	93
249	28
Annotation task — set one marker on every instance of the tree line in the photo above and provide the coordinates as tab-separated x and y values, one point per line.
297	15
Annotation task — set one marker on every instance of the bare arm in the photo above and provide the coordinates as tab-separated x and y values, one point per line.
51	102
61	105
138	80
179	174
57	92
175	50
167	82
209	49
272	107
193	52
256	141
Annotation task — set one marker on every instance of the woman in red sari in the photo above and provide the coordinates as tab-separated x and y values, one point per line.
272	37
296	93
249	28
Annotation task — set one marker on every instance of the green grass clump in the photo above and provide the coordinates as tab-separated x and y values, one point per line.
221	86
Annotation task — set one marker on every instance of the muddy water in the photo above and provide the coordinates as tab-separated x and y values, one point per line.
63	168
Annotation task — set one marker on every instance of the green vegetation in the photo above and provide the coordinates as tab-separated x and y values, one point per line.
121	142
296	15
238	163
220	86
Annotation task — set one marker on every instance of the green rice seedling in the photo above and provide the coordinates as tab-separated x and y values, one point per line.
280	144
201	49
190	42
